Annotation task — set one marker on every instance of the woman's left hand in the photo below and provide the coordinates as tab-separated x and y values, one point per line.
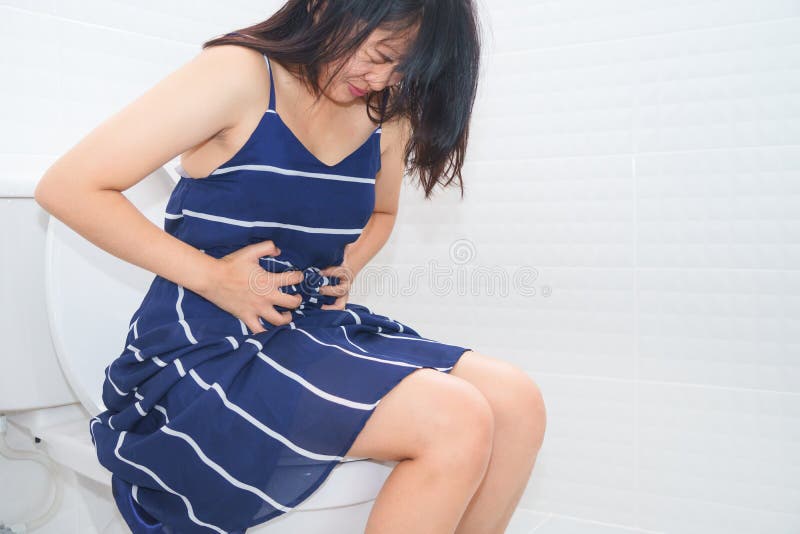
341	291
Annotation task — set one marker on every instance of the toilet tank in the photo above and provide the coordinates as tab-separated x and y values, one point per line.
30	374
64	303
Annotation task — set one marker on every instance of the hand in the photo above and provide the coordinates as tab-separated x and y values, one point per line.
248	291
341	291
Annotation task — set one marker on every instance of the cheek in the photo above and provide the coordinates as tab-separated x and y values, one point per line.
357	67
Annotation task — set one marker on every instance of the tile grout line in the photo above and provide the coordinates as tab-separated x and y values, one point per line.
551	515
645	36
636	370
542	522
663	383
95	25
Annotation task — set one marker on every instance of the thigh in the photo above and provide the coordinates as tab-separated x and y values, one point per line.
514	396
423	409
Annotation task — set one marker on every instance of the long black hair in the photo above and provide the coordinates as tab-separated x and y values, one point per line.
439	71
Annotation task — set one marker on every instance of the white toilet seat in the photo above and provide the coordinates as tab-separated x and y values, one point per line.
92	294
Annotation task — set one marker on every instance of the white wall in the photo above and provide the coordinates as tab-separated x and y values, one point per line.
644	157
641	156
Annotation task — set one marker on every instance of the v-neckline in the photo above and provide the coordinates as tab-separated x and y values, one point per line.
308	152
273	108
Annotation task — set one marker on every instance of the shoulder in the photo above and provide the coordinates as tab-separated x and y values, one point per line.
232	58
235	79
395	134
237	68
232	54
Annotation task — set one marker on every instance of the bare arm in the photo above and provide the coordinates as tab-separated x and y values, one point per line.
83	188
387	197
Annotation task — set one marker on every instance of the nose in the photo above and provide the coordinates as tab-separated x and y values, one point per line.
380	79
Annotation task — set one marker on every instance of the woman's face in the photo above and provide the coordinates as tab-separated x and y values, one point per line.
371	67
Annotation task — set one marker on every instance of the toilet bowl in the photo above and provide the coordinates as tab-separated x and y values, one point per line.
64	317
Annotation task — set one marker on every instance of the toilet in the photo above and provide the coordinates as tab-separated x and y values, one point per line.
66	304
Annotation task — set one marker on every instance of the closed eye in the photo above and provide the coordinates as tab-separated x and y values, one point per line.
384	57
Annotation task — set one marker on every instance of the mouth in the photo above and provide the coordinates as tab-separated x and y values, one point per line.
355	90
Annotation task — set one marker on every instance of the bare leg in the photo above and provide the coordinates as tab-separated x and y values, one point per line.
520	421
440	430
426	495
490	510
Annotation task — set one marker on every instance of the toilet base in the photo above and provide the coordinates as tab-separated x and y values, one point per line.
341	504
108	518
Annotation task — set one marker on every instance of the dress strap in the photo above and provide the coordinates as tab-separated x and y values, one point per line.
271	86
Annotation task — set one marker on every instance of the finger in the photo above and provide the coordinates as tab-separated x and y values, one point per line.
286	300
275	317
265	248
254	326
333	271
334	291
338	282
269	281
288	278
336	270
337	305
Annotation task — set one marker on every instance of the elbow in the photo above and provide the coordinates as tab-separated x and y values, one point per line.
42	194
39	194
48	193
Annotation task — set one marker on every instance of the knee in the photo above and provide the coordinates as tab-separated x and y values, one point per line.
465	429
520	406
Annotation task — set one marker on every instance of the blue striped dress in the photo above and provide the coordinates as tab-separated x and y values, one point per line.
209	427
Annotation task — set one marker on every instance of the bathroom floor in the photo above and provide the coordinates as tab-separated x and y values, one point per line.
531	522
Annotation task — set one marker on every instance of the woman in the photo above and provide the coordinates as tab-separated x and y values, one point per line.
223	412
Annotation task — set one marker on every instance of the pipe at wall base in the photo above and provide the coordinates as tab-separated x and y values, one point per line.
41	458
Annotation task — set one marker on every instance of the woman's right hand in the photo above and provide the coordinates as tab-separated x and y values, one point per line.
248	291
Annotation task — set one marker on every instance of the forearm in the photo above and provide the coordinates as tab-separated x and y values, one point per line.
110	221
375	234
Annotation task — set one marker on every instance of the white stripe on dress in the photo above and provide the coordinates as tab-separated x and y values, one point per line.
161	483
244	327
349	340
134	328
350	352
381	360
308	385
222	472
136	352
179	366
411	338
280	170
258	424
181	320
119	391
293	172
354	314
270	224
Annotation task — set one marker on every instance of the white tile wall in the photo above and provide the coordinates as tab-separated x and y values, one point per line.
636	160
643	157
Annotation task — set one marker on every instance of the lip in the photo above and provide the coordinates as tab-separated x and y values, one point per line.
356	91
